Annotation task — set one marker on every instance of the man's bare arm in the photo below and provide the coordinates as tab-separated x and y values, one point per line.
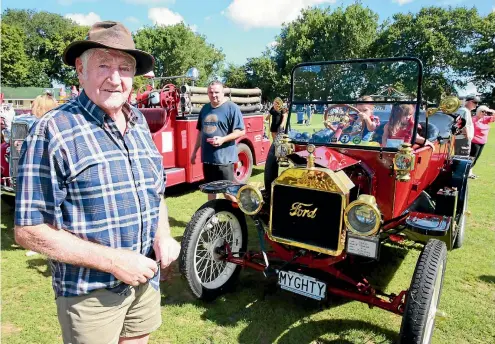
163	224
166	248
127	266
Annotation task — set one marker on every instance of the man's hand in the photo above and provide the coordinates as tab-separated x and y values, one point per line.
133	268
193	157
167	250
216	141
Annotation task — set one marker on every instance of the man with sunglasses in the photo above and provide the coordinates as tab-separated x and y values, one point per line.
463	140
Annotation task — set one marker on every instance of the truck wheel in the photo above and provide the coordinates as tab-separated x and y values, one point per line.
461	225
211	226
244	167
424	294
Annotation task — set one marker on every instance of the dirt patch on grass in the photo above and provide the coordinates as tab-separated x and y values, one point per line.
9	328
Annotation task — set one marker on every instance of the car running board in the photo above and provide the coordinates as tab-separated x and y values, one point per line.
428	224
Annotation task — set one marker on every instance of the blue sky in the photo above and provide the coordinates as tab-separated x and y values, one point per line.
241	28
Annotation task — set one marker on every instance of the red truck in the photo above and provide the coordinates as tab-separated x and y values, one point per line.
172	115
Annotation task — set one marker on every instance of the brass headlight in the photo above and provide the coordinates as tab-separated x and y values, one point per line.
362	216
249	200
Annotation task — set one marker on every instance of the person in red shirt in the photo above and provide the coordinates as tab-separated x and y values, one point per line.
481	122
400	126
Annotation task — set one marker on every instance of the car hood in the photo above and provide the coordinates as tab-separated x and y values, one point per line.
330	158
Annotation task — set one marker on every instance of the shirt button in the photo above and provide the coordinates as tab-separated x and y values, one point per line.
138	183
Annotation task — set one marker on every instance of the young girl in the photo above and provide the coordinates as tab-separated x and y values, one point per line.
400	126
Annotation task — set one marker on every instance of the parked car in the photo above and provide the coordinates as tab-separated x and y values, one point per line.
332	199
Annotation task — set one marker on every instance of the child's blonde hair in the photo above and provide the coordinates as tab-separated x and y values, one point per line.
398	112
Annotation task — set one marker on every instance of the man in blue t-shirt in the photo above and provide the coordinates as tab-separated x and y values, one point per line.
220	123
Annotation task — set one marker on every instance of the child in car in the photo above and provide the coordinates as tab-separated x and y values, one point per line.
400	127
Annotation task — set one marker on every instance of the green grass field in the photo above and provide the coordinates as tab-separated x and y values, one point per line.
251	316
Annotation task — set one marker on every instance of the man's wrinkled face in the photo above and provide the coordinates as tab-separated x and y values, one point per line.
107	78
215	94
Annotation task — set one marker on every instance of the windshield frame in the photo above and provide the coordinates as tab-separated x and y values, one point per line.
417	102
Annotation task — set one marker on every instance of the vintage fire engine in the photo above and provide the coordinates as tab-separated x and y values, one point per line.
333	198
171	113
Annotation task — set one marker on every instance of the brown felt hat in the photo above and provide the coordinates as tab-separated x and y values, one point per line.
111	35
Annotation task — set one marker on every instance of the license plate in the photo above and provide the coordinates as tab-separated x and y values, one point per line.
363	246
302	284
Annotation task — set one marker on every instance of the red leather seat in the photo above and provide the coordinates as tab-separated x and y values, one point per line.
156	118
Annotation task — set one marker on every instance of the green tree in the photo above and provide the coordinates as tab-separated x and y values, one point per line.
15	64
321	34
177	48
45	37
262	72
235	76
481	58
438	37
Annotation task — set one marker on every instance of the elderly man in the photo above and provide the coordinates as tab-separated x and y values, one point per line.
463	140
90	196
219	124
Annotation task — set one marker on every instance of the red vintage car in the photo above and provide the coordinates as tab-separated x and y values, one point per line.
376	169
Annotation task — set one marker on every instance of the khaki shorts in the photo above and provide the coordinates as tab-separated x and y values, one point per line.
103	316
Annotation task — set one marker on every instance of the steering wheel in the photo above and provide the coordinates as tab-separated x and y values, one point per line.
345	119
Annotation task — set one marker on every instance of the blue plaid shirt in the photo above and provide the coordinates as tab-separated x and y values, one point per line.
78	173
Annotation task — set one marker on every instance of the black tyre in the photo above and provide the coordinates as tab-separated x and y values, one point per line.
214	223
244	166
461	225
424	294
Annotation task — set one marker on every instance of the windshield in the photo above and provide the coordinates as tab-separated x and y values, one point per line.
372	103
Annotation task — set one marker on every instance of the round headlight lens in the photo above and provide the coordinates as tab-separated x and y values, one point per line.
249	199
362	216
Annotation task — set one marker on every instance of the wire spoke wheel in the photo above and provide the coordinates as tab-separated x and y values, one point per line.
213	226
222	228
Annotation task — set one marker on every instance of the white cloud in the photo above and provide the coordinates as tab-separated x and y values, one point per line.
132	19
164	16
150	2
402	2
84	19
194	28
207	18
263	13
272	44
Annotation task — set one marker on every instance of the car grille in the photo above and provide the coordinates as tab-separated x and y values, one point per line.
307	218
18	134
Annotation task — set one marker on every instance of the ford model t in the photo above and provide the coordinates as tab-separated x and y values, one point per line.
377	167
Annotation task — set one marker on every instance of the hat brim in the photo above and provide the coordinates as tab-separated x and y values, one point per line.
144	61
